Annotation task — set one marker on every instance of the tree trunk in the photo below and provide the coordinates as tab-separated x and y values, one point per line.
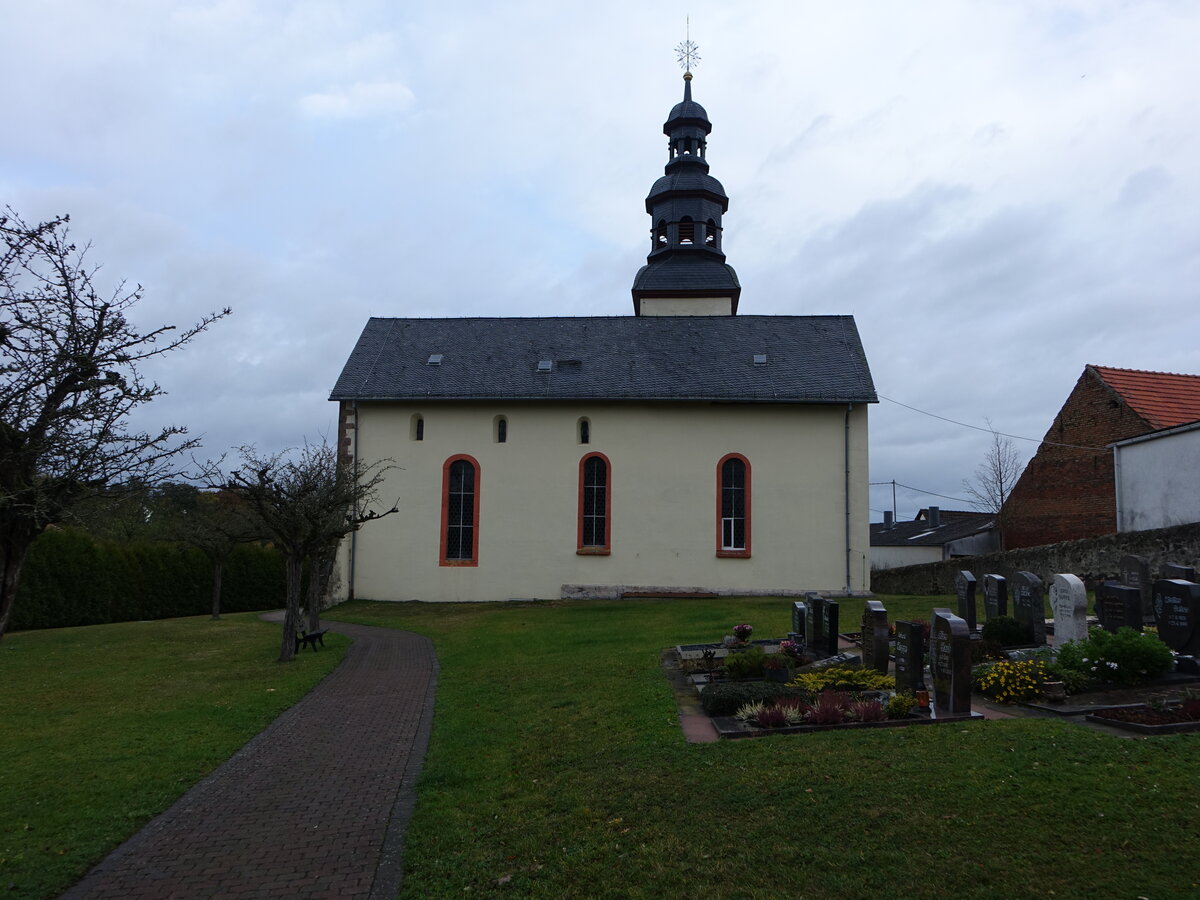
291	615
313	601
12	558
218	571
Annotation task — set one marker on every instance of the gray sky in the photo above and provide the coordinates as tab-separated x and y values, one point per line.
999	192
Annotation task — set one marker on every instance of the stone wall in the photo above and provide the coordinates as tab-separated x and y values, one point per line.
1092	559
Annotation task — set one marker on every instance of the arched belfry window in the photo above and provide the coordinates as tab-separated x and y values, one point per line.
733	506
710	233
660	233
460	512
687	230
595	505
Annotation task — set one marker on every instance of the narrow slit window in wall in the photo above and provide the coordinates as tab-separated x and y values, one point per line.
501	430
416	428
585	431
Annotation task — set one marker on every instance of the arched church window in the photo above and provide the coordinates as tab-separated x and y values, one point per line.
585	431
460	512
500	432
416	427
733	506
595	505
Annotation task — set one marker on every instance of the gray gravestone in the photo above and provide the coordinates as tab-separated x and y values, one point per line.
1177	610
950	662
910	657
1178	572
831	627
1028	596
964	587
1118	606
995	596
1068	599
875	637
800	621
1135	572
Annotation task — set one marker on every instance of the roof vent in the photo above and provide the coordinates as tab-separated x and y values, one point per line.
760	359
544	365
435	359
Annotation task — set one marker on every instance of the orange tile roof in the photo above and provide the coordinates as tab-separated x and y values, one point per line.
1163	399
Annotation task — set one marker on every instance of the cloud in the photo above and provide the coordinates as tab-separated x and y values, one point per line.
358	101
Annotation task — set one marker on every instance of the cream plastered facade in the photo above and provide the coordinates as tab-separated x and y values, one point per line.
663	483
685	306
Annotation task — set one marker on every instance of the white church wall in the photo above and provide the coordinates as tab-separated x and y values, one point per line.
663	483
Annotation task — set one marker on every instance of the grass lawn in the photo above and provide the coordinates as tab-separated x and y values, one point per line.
105	726
557	769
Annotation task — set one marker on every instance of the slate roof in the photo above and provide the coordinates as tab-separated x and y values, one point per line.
809	359
687	273
955	526
1163	399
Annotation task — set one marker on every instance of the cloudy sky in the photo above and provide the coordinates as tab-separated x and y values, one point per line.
999	191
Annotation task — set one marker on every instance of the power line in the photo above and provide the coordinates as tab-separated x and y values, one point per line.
1015	437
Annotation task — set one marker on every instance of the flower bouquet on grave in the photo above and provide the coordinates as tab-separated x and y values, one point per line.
743	632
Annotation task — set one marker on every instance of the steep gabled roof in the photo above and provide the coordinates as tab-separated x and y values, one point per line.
805	359
1163	399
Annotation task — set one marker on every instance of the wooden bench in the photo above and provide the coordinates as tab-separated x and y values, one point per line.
311	638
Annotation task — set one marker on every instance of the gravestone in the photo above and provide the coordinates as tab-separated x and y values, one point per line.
950	662
995	596
1028	596
910	657
964	587
1118	606
875	637
799	630
1135	572
815	617
1177	571
1177	609
1068	599
831	628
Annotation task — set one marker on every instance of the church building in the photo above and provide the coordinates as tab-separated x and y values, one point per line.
683	449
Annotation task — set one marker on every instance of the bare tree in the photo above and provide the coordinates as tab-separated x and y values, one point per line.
307	502
995	478
69	380
215	523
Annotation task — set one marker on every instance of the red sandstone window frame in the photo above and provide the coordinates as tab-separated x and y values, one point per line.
723	551
581	548
474	560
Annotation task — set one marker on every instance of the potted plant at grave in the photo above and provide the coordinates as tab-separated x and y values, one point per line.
742	632
775	668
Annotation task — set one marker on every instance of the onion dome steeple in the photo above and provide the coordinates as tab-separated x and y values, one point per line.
685	272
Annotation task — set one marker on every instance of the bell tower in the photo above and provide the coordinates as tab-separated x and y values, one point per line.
685	272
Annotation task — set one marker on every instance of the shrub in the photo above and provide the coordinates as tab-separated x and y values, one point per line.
829	708
1006	632
1074	682
900	705
747	664
1011	682
1127	657
727	698
867	710
844	678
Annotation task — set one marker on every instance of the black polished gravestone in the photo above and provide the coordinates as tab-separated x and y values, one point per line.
799	630
1177	571
910	657
964	588
875	637
814	622
830	634
1118	606
1177	610
950	662
995	596
1135	572
1028	596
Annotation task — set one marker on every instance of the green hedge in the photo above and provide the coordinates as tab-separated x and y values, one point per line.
72	578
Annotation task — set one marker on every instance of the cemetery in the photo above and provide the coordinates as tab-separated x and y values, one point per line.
1133	665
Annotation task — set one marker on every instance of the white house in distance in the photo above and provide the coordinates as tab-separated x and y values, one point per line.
1158	478
933	535
683	449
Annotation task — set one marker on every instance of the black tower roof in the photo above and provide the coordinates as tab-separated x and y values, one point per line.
686	205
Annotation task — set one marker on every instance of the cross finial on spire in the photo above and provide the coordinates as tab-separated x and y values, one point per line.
687	52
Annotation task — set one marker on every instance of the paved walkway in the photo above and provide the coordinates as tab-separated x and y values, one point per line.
314	806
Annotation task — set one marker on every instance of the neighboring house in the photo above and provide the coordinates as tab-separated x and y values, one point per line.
1068	489
684	448
1158	478
934	535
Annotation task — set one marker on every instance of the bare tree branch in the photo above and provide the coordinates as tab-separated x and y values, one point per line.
995	478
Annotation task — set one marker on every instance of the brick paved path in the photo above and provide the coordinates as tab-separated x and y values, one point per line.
314	806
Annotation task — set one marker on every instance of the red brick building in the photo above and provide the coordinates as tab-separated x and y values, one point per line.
1068	492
